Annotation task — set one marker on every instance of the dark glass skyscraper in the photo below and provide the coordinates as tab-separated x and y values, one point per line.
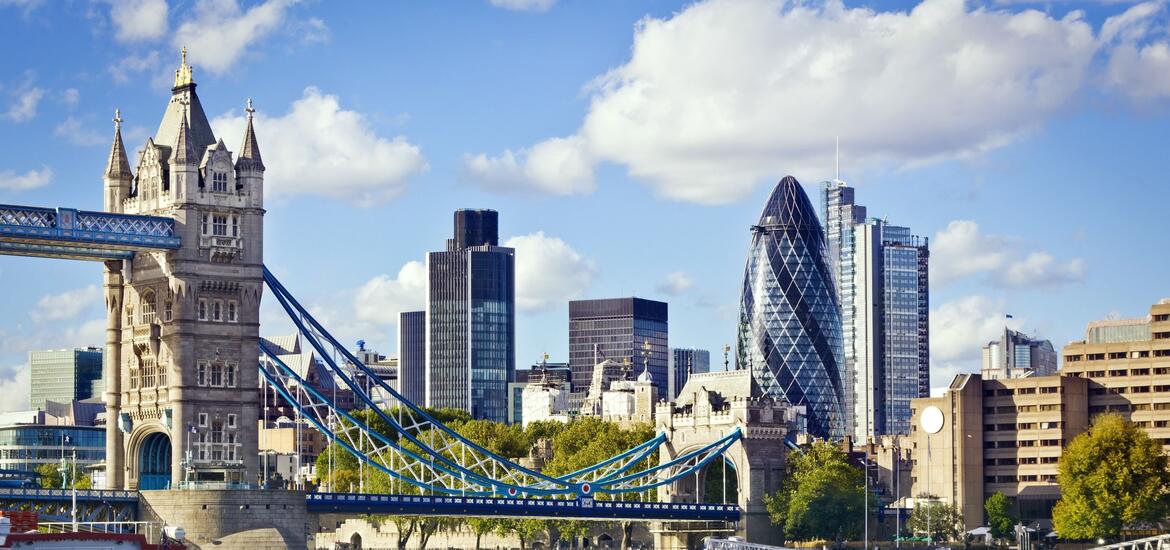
64	375
412	356
622	329
790	322
471	319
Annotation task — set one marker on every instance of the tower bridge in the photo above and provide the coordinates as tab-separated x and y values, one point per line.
181	239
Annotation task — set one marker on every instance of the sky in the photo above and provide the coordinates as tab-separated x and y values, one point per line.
627	144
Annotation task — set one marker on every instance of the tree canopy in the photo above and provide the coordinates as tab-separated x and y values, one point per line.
822	497
938	520
999	515
1111	476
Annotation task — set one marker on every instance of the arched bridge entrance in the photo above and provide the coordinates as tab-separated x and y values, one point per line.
154	462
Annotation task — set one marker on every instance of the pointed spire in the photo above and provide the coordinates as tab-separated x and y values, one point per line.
184	152
249	157
118	167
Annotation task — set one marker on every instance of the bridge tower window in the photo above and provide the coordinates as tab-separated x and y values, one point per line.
203	309
219	225
235	226
204	218
148	305
168	310
217	311
219	182
232	311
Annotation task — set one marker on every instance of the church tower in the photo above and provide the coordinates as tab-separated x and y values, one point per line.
183	326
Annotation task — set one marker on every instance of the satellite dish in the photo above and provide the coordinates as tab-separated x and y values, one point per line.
931	419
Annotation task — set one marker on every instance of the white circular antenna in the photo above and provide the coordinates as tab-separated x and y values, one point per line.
931	419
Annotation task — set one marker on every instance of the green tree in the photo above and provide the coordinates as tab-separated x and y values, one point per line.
938	520
50	477
1111	476
999	515
483	526
524	529
822	497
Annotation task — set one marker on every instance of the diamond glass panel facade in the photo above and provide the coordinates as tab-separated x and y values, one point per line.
790	322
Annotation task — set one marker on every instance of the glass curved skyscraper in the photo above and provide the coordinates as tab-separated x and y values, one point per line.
789	320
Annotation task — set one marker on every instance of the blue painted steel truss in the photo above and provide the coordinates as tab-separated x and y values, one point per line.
92	505
81	235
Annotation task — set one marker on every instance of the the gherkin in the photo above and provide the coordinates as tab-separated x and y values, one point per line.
789	320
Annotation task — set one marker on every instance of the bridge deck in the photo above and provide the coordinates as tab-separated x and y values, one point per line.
81	235
408	505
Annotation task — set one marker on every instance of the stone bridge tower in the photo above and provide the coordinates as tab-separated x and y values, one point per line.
710	406
182	398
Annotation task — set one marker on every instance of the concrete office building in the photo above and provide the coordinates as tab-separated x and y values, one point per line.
1006	435
64	375
683	362
1016	355
881	273
624	330
412	356
471	319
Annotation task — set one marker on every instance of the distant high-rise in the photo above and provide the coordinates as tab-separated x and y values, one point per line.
880	272
790	321
64	375
412	356
471	319
683	363
620	329
1017	355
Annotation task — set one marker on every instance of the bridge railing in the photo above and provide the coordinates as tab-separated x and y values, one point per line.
1160	542
66	494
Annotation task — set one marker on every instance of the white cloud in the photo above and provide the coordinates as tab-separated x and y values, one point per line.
318	148
556	166
131	65
676	283
524	5
958	331
67	305
15	387
1139	52
548	271
962	250
72	130
382	298
24	106
729	93
136	20
12	181
220	32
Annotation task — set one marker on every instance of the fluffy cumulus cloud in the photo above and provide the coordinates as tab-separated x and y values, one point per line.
136	20
548	271
729	93
67	305
556	166
382	298
319	148
962	250
32	179
524	5
675	283
1139	51
220	31
14	385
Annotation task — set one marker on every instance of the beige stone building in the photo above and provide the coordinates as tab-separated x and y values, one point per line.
1007	435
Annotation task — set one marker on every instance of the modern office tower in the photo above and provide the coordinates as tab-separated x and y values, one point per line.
629	331
1016	355
412	356
881	275
683	363
64	375
471	319
790	321
890	314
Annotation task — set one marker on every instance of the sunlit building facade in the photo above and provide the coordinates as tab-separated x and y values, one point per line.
790	321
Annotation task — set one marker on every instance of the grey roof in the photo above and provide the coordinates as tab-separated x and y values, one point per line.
184	153
719	386
184	100
284	345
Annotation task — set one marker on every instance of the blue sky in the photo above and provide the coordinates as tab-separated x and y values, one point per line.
628	146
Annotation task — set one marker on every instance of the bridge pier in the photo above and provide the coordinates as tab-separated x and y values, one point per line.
232	519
